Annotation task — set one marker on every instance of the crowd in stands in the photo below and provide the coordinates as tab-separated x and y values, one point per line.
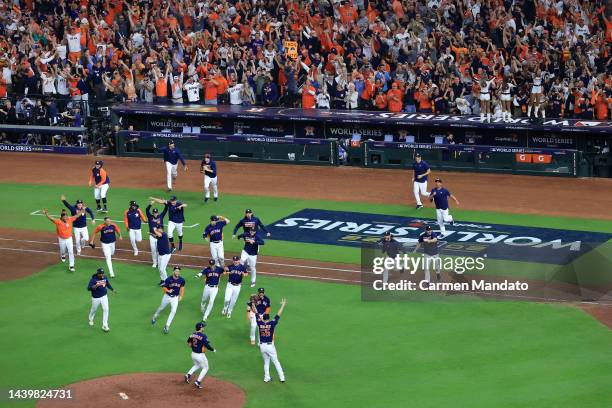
493	58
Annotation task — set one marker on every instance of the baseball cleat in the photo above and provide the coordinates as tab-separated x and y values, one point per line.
197	384
135	253
223	312
78	253
438	277
419	206
63	258
268	380
173	249
168	190
206	200
105	329
229	315
452	222
153	321
91	322
253	284
216	198
98	209
154	266
282	381
112	275
252	342
71	269
93	246
165	331
187	378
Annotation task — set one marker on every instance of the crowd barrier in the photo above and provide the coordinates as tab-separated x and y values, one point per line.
43	139
233	148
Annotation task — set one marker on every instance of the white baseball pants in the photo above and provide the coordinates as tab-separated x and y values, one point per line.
253	321
162	263
174	225
431	262
81	235
199	362
268	352
153	244
65	245
231	295
135	236
210	183
419	189
251	262
100	192
167	300
217	253
442	217
97	302
109	250
171	173
208	299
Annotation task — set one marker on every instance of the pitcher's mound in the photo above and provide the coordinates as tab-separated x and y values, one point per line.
151	390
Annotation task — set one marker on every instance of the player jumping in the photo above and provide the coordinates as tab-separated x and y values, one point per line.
199	343
101	182
212	275
440	196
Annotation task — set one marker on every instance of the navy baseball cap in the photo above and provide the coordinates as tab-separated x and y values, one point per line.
214	218
428	228
170	142
438	179
99	271
132	203
79	201
199	325
176	268
235	258
248	210
155	211
261	290
387	234
211	261
172	198
99	162
417	155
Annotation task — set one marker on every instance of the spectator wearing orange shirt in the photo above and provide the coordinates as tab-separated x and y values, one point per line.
394	98
63	229
308	95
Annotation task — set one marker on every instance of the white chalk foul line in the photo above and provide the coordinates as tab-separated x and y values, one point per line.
288	275
38	213
205	257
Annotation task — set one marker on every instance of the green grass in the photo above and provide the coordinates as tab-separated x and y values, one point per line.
336	350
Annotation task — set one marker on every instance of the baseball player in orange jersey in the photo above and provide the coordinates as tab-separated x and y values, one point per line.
108	236
101	182
63	229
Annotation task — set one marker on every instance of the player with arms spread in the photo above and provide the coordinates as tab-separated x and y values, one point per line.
266	342
199	343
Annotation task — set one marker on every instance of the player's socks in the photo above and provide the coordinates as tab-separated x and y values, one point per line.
98	205
180	243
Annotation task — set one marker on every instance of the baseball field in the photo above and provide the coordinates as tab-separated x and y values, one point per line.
337	350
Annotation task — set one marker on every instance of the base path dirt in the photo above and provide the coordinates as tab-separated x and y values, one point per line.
149	390
476	191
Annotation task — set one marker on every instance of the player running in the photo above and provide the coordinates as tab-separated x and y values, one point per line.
155	220
261	303
440	196
266	342
209	168
164	252
108	236
214	232
174	289
79	226
429	241
419	185
236	271
199	343
101	182
133	219
176	219
63	229
250	222
252	242
172	155
98	286
212	274
390	248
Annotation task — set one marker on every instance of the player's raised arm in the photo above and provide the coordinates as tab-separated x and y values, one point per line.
225	219
283	303
46	212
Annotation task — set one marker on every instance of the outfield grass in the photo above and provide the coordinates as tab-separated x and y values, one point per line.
336	350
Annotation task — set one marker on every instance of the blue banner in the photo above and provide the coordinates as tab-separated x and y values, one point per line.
221	138
18	148
496	241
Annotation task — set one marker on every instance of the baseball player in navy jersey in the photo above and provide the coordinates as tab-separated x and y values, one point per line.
419	184
98	178
250	222
174	289
164	253
266	342
199	343
235	272
108	236
155	219
261	303
172	155
440	196
212	274
79	226
209	168
252	242
133	219
429	241
214	233
98	286
176	219
391	248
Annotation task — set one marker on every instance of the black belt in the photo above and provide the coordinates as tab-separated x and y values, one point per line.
211	286
263	342
214	242
236	284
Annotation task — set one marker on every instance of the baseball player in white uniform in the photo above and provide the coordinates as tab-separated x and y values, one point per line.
248	256
79	226
267	328
235	272
98	286
429	241
108	236
419	183
174	289
214	233
209	168
212	274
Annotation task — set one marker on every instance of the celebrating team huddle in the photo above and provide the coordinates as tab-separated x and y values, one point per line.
73	236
